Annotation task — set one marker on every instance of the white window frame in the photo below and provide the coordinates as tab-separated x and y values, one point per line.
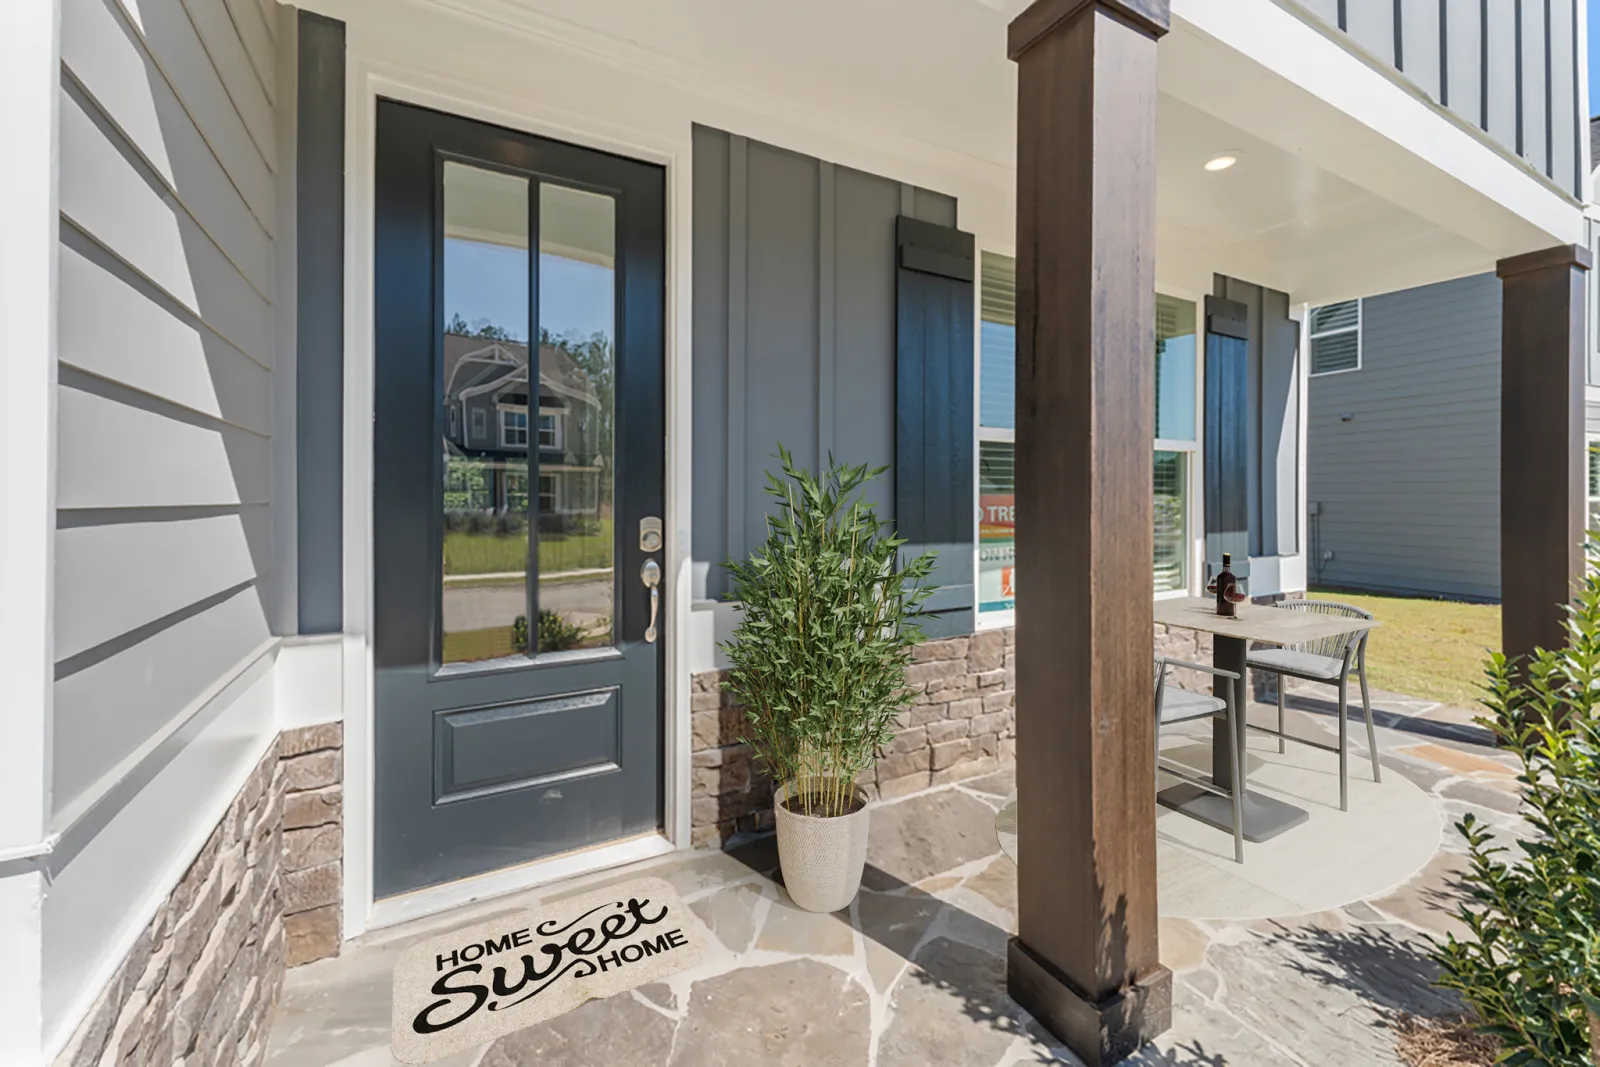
1193	528
480	423
506	431
1312	335
556	428
555	495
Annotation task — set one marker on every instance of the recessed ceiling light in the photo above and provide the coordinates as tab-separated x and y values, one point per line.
1221	162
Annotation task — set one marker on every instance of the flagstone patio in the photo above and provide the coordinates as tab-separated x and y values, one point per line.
914	972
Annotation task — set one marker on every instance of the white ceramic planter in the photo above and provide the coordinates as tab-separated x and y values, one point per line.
822	859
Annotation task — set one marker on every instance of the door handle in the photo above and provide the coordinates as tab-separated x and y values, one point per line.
650	575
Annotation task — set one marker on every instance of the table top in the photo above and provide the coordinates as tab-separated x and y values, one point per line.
1255	622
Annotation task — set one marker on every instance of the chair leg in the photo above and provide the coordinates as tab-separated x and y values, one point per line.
1372	738
1158	746
1236	724
1344	743
1280	684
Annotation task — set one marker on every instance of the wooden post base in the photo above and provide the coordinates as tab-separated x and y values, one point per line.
1099	1033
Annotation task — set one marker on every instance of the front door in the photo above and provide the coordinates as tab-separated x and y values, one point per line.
518	473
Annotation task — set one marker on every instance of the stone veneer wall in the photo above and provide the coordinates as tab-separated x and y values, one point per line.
961	723
313	840
199	986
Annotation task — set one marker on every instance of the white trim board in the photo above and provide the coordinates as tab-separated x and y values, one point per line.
30	80
310	682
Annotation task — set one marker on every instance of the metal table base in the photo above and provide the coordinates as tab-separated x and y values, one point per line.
1264	817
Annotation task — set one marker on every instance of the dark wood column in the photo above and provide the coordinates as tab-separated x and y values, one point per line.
1085	958
1543	456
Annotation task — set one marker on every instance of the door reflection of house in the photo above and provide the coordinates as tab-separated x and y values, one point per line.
490	427
487	420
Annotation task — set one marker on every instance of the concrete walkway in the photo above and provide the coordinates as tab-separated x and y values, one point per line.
914	972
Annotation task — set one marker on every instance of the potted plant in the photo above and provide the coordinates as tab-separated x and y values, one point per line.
818	664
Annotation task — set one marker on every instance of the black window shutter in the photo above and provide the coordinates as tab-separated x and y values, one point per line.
934	384
1227	449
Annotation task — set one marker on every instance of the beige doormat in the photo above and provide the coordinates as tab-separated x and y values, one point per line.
464	989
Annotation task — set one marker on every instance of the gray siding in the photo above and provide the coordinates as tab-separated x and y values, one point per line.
1409	487
1528	48
165	402
794	311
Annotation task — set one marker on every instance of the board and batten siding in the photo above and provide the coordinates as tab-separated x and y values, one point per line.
1409	487
168	189
1508	67
794	329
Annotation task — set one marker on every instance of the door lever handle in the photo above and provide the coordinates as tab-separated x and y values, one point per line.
650	575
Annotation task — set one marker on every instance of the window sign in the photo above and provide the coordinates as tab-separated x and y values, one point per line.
996	527
1176	365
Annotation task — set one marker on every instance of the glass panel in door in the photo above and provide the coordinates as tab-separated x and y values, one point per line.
485	392
576	419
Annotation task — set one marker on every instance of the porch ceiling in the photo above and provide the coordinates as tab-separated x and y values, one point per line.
1326	202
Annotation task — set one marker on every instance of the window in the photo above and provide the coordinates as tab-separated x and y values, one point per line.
547	494
1594	485
997	421
513	429
1176	440
1336	338
479	424
1172	521
549	431
1174	448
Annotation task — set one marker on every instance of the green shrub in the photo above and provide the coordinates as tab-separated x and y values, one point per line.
557	634
825	634
509	524
1531	971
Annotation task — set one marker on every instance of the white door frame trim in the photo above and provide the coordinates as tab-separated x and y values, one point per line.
368	78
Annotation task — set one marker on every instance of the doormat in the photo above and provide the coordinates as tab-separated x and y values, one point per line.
464	989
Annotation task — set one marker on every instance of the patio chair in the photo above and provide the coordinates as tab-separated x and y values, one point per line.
1175	705
1327	661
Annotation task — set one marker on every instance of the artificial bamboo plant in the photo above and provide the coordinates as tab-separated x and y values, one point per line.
826	628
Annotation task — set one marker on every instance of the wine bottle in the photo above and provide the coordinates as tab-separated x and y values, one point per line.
1226	586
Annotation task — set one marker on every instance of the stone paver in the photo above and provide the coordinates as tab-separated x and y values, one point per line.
950	1007
789	929
914	972
801	1013
616	1030
730	915
934	833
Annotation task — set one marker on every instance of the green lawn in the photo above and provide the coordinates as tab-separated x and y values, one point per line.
1433	649
472	646
485	553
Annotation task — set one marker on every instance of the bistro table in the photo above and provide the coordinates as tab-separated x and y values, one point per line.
1264	817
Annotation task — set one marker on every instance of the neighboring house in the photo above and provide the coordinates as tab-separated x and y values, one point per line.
1403	438
1403	441
251	710
489	429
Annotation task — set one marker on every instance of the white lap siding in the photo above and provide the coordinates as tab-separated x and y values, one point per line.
163	692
